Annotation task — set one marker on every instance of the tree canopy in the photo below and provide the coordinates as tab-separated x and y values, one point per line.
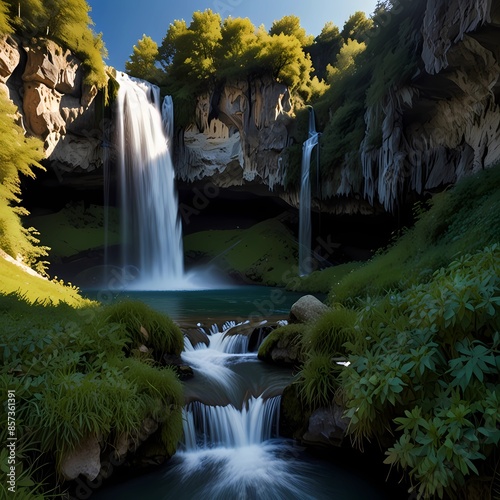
290	25
142	63
18	154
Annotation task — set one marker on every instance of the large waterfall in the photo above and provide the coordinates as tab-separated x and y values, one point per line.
151	229
305	260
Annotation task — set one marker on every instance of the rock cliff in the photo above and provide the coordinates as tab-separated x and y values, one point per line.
441	126
47	84
238	136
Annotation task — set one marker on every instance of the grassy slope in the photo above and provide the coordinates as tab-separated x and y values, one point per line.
34	288
73	230
264	253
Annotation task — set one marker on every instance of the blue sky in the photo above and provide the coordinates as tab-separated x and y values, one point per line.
123	22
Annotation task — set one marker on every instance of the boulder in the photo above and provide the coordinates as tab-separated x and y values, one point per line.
84	460
326	426
307	309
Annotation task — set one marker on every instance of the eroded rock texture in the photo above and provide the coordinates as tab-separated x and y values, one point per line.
46	82
437	129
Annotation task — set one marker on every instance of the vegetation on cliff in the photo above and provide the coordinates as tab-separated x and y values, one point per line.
419	325
65	21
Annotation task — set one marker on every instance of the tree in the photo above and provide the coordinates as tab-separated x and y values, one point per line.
290	25
238	47
142	63
345	60
4	19
18	154
325	48
357	27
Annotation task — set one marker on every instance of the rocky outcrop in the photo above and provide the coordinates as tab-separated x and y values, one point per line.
327	426
46	82
238	136
438	128
444	124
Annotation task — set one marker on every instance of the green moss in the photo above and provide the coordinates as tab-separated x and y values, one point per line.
145	326
289	335
322	281
263	254
76	229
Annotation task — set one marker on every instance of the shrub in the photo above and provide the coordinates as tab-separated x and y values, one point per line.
330	332
147	326
318	381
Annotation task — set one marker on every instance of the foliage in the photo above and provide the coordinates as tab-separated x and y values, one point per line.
142	63
345	61
199	57
325	48
18	154
427	359
330	332
145	326
73	379
357	27
5	27
290	25
67	22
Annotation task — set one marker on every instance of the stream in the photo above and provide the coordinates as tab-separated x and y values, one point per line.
232	448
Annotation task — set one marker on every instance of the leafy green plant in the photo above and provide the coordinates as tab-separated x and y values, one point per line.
424	365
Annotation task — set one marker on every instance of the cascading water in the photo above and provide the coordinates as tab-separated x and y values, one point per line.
151	229
231	448
305	198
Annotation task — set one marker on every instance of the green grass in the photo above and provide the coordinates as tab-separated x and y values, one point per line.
76	373
322	281
35	288
461	220
75	229
264	253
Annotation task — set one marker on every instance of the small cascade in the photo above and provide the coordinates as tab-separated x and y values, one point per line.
227	426
305	237
151	229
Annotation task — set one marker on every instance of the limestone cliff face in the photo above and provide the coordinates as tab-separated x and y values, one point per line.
46	83
238	136
446	123
440	127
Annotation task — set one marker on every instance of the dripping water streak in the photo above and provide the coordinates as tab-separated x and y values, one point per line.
305	262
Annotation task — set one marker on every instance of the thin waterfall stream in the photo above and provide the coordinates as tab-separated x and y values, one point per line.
305	231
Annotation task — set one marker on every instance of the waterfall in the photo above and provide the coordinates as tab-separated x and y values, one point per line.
227	426
305	260
151	229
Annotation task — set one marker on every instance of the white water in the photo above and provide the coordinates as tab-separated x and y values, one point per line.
232	451
305	260
151	229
